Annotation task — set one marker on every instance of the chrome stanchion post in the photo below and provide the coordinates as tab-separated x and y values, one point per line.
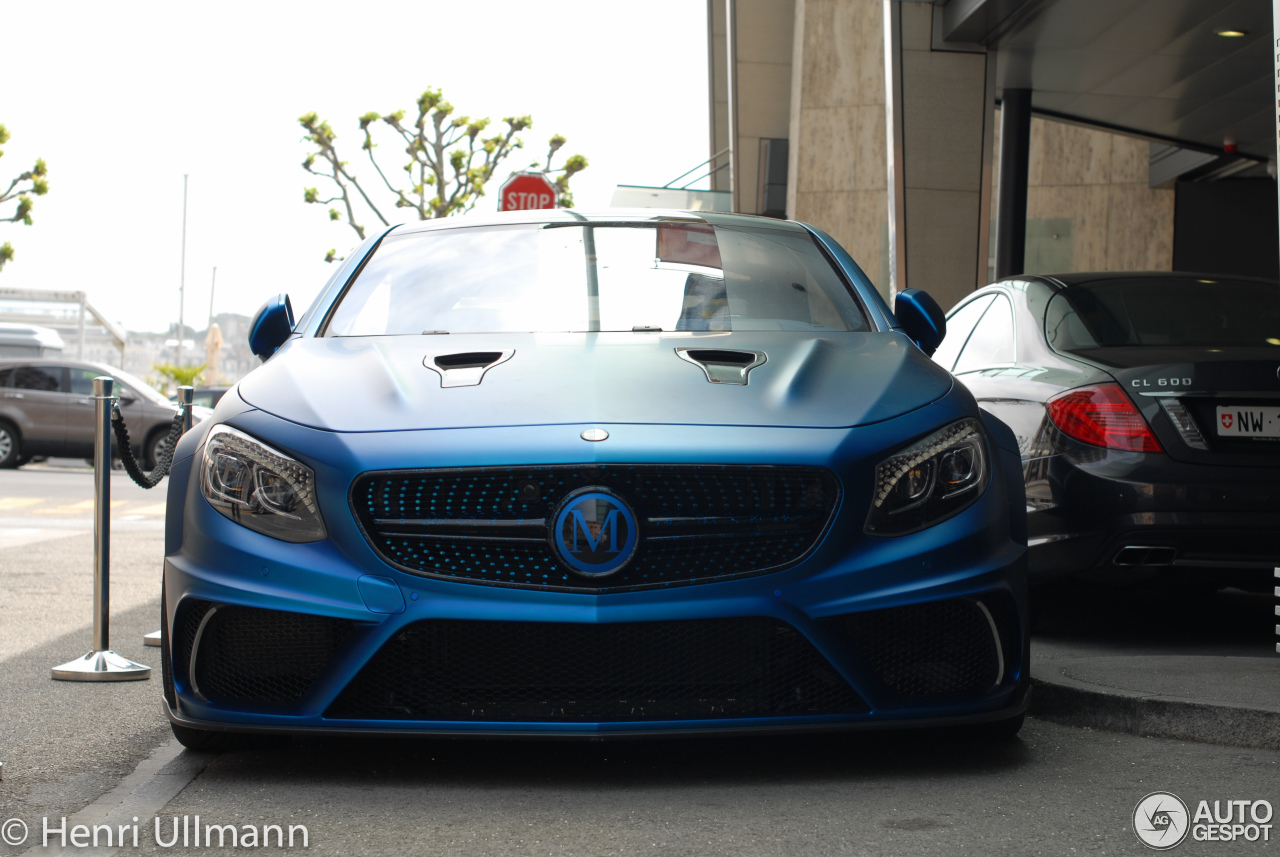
186	394
102	664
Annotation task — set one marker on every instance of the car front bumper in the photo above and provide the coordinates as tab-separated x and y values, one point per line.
968	566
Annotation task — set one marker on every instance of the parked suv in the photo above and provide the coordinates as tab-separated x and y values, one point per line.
47	408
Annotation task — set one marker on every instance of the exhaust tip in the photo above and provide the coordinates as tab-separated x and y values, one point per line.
1145	555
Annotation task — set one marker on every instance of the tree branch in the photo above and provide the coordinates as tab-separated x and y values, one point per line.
448	167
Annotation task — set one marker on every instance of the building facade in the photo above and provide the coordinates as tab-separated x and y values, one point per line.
863	120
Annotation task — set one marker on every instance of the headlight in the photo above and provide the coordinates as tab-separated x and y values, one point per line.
254	485
930	481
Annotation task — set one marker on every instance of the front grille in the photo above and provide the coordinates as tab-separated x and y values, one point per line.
247	654
696	523
942	648
453	670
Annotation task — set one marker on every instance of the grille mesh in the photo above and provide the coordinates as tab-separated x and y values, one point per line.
248	654
697	523
942	648
454	670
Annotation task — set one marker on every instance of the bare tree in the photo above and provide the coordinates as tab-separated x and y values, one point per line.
449	164
33	182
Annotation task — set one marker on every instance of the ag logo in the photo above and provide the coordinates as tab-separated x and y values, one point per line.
594	532
1226	421
1161	821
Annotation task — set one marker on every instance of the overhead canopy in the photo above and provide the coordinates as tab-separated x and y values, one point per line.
1154	67
25	306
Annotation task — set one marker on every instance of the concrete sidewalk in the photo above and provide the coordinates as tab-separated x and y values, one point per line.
1196	669
1217	700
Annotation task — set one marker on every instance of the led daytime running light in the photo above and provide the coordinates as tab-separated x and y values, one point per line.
297	476
259	487
933	479
935	445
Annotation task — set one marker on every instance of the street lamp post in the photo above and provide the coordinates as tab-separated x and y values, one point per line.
182	277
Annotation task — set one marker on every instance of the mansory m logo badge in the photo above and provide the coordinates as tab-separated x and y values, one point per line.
594	532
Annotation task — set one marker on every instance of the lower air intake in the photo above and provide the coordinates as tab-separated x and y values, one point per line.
246	654
945	648
450	670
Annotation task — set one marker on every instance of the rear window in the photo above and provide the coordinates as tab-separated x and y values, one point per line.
1164	312
596	277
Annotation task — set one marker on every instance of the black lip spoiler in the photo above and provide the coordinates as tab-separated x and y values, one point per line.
1020	704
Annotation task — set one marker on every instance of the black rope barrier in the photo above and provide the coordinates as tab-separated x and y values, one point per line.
164	458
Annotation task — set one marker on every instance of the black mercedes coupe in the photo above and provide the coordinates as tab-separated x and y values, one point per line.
1147	412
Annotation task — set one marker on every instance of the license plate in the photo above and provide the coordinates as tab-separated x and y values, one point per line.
1248	421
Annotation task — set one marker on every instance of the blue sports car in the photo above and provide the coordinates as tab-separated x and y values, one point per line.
555	473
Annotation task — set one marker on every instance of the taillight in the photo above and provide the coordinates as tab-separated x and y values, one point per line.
1103	416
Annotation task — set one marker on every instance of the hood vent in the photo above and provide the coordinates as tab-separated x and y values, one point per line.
465	368
722	366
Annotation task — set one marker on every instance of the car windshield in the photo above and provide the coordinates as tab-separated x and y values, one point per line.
1164	312
596	277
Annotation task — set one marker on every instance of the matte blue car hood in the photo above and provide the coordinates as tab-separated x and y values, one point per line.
379	383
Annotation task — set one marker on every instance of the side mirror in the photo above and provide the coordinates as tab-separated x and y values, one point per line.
271	326
921	319
127	399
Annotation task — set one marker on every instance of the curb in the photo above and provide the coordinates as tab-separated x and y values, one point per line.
1075	703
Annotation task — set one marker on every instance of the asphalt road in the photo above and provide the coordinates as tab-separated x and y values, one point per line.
1055	790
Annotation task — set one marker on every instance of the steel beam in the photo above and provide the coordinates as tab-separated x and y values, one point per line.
1011	206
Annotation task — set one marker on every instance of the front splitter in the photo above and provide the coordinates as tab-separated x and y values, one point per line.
1021	703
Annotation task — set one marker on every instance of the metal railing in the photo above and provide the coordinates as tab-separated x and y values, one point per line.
708	161
63	324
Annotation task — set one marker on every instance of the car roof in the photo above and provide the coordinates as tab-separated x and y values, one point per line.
1080	278
602	216
59	361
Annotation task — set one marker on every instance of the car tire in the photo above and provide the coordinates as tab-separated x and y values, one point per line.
10	446
155	444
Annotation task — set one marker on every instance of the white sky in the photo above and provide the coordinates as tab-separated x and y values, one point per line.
121	99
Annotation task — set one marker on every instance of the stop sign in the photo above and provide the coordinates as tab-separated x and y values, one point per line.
526	191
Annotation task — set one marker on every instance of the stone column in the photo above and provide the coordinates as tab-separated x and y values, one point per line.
836	175
1015	160
842	148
